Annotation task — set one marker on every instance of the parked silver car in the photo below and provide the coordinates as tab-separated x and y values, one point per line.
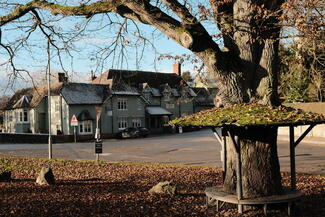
133	132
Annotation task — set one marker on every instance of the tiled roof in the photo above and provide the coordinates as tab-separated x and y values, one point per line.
81	93
35	95
23	102
73	93
131	82
153	79
175	92
203	96
121	88
155	91
157	110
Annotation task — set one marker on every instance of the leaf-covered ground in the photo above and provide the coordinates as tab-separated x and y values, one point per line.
249	115
85	188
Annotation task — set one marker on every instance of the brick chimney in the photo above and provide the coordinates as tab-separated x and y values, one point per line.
177	68
60	77
142	86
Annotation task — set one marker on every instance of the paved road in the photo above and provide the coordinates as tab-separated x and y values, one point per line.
195	148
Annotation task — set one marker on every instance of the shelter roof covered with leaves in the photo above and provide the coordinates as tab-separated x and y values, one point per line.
242	115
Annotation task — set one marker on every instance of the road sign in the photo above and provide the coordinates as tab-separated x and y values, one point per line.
74	121
98	147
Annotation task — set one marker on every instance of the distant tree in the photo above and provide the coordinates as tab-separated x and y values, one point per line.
187	76
3	100
313	54
302	69
294	78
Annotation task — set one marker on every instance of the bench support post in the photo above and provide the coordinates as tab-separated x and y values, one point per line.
292	158
223	154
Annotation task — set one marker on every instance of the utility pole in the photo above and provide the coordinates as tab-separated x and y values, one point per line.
49	97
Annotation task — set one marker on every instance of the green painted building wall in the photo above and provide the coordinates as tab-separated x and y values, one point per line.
135	110
76	110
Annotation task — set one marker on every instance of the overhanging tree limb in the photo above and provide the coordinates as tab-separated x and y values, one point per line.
81	10
189	33
142	11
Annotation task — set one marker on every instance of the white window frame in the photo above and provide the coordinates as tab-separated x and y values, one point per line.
170	105
122	122
86	127
122	104
23	116
136	122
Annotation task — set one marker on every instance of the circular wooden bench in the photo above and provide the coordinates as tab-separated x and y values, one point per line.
216	194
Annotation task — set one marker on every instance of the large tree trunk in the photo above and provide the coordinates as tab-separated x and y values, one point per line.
247	71
260	165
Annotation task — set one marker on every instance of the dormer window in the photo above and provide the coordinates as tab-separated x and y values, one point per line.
184	93
167	92
147	96
167	95
146	91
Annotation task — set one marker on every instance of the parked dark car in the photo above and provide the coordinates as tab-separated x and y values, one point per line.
133	132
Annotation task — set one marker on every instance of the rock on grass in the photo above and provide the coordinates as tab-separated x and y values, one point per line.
163	188
45	177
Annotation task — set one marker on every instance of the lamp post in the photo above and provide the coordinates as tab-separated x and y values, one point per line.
49	97
98	142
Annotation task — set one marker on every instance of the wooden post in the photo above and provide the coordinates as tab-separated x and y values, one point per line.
222	140
292	158
224	158
75	133
239	175
304	134
97	158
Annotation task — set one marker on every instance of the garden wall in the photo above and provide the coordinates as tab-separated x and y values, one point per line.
317	107
317	131
43	138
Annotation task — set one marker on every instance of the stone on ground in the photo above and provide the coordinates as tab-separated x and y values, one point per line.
163	188
45	177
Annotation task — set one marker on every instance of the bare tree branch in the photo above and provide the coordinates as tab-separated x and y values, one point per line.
139	10
181	11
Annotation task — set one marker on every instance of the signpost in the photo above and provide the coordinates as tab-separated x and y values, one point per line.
98	147
74	124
